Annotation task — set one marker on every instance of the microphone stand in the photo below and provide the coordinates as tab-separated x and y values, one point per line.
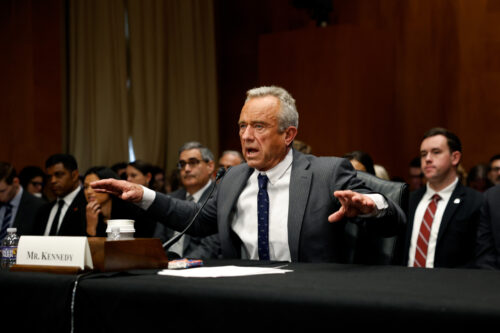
220	173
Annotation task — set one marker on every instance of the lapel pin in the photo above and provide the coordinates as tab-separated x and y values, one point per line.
456	201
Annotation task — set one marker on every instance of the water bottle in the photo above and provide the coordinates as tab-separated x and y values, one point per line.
9	248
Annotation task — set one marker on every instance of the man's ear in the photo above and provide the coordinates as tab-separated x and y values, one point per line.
211	166
75	175
456	156
290	134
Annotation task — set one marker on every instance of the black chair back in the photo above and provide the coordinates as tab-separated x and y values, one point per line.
372	248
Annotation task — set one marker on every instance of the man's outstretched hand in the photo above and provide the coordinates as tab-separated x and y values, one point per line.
353	204
122	189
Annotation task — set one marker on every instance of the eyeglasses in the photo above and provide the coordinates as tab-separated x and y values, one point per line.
192	163
495	169
36	183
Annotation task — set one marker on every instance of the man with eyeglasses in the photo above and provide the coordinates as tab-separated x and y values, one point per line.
494	172
196	166
18	208
280	205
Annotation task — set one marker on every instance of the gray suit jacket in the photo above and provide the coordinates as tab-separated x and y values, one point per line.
194	247
311	237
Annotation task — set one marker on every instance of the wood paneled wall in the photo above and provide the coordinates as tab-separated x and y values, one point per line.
377	78
31	95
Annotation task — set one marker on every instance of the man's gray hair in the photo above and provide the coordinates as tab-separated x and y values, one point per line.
288	115
206	154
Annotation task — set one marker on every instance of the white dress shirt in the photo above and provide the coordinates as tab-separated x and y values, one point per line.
68	199
445	195
244	223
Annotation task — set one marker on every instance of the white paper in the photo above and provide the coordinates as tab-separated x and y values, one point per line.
222	271
54	251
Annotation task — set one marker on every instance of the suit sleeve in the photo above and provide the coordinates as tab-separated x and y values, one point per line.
176	214
388	224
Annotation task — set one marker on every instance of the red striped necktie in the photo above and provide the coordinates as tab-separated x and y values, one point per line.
425	233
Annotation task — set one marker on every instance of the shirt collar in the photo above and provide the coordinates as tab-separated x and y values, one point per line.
68	199
199	193
17	198
445	193
280	169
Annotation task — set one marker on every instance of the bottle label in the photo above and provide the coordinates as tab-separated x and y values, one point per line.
9	252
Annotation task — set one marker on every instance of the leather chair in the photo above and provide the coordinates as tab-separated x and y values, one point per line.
368	246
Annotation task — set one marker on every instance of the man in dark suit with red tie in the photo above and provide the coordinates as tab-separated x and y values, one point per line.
442	216
66	215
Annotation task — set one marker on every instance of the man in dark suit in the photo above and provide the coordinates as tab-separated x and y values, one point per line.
196	166
18	207
488	236
278	205
442	216
66	215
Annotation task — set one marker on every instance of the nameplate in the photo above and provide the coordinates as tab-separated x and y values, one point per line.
54	251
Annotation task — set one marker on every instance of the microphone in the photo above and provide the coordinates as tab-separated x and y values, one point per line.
220	173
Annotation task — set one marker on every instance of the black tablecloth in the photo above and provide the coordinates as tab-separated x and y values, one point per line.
318	295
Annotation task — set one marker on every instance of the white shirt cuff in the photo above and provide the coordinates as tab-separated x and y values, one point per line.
380	203
147	198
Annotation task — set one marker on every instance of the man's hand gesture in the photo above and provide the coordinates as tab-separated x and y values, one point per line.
353	204
122	189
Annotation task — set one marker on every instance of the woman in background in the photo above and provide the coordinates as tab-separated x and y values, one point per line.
102	207
361	161
140	172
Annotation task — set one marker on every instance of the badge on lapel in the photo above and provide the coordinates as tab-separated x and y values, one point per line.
456	201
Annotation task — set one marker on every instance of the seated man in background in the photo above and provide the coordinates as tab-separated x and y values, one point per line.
19	207
415	173
32	179
66	215
442	216
196	166
278	205
494	172
230	158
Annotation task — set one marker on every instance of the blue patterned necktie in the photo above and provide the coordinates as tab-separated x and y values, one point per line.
263	218
7	216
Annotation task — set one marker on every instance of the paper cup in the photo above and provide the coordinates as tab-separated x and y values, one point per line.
126	228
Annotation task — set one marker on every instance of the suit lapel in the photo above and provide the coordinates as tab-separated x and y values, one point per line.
300	182
21	209
68	223
451	208
237	182
414	201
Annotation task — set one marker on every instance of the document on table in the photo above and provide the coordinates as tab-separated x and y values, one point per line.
223	271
